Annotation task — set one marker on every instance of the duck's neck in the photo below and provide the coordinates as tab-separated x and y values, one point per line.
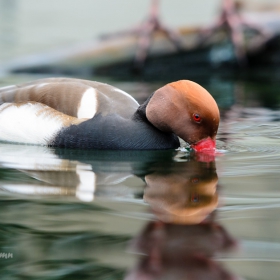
140	113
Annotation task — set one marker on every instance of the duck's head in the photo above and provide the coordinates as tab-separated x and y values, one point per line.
188	110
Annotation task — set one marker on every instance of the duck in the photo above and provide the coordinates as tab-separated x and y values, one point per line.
83	114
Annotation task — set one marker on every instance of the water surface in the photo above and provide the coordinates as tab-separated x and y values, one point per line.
73	214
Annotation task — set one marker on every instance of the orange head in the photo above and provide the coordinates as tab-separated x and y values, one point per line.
188	110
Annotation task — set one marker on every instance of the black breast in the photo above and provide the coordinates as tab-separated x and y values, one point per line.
113	132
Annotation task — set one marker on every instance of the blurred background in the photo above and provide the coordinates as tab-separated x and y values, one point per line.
31	26
78	215
80	37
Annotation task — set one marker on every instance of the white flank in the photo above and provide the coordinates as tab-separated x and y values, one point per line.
125	94
88	104
29	123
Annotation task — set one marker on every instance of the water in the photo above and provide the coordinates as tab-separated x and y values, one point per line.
70	214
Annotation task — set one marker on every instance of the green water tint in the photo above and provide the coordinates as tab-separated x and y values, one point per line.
69	214
56	229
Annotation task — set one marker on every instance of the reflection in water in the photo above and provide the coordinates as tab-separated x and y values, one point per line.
171	184
178	191
70	214
181	193
181	252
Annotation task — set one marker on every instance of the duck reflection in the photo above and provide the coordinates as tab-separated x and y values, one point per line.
179	190
178	186
183	240
82	174
184	192
172	251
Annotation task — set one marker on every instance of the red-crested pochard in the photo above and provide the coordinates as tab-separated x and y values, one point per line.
74	113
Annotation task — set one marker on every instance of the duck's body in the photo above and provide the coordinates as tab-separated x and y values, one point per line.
117	133
75	113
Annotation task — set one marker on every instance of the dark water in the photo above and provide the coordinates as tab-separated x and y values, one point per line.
70	214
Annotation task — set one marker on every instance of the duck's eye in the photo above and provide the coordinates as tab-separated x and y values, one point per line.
195	197
196	118
194	180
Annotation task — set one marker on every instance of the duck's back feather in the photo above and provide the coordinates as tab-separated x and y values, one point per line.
76	113
74	97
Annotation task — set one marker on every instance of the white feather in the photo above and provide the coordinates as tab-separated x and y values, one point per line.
29	123
88	104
